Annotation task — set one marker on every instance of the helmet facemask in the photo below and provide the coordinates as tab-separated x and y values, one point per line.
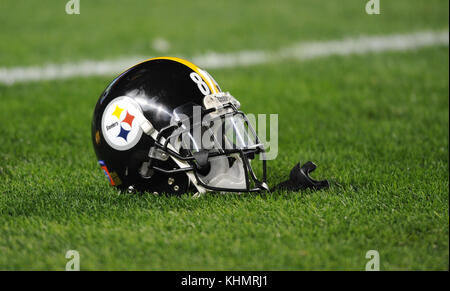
218	143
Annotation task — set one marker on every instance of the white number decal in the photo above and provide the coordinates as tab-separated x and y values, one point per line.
200	83
212	79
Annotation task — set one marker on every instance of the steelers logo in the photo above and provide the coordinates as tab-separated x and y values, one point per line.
119	125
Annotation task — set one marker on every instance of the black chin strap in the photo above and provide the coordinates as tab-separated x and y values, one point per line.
299	179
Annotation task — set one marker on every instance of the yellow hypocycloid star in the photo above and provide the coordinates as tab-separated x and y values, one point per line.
117	112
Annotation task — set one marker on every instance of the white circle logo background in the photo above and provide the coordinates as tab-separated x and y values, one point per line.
116	127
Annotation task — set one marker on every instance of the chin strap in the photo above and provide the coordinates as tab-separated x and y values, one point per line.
299	179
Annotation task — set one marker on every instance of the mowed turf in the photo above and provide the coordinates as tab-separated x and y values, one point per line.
34	33
376	125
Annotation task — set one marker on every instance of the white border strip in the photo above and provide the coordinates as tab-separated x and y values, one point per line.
300	51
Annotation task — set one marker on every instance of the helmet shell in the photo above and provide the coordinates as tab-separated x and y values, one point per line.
157	86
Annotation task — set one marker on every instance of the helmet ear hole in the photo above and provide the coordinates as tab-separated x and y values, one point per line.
145	171
135	165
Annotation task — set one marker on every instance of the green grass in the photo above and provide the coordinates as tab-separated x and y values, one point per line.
377	126
33	33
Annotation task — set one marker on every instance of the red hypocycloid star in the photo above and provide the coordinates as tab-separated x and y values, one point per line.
128	119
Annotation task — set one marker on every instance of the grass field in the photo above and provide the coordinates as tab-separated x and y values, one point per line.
377	126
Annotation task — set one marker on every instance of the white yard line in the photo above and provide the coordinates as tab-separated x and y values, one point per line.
300	51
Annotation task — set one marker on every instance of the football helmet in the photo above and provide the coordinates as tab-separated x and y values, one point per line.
165	126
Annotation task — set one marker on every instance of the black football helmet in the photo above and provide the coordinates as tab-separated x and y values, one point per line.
165	126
